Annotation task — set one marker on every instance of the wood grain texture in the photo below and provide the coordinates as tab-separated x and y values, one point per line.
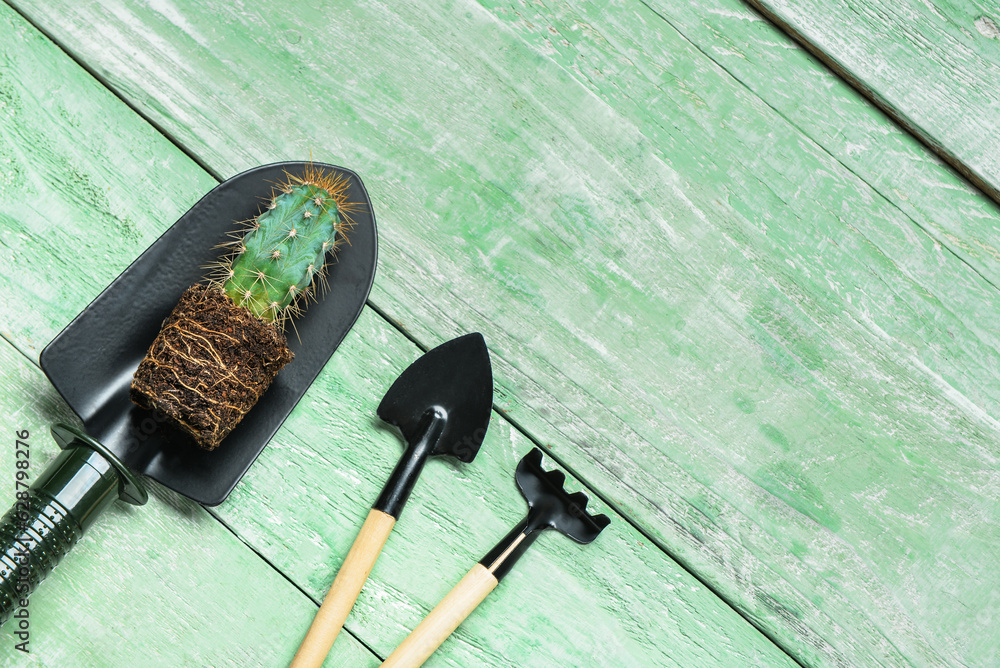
73	159
442	621
770	402
160	585
618	601
785	376
350	579
932	66
301	502
832	114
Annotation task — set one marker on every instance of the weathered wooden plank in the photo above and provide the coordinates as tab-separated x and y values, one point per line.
829	111
57	180
932	66
161	585
802	323
643	606
615	602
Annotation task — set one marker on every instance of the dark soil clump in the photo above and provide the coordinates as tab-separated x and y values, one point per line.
208	366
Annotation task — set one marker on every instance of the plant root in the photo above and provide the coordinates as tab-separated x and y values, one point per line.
208	366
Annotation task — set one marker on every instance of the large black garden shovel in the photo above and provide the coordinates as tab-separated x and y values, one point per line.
91	363
442	405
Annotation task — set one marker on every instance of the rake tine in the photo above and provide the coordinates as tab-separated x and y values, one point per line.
549	506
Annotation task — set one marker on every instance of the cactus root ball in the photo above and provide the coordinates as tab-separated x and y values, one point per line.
210	363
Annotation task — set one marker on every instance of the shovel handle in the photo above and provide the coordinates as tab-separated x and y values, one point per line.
443	619
35	534
345	590
48	518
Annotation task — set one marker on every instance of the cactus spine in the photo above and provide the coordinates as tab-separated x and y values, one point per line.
282	254
222	345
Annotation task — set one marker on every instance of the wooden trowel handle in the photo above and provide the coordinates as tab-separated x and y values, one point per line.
344	592
443	619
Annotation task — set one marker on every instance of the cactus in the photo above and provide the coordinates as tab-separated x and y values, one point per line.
282	254
222	345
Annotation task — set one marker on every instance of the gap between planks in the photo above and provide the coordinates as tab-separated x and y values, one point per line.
103	81
606	500
548	453
111	89
881	103
228	528
298	587
957	167
584	481
754	4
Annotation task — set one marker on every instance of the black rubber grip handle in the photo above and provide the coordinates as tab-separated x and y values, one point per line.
49	518
35	535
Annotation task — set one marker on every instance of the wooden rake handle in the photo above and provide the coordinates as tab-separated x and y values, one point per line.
443	619
344	591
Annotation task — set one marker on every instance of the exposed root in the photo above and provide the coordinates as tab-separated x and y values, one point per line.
210	363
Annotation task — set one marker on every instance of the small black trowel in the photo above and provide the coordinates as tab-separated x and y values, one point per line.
442	405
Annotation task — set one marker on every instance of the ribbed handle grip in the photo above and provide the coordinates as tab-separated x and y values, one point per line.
34	536
58	508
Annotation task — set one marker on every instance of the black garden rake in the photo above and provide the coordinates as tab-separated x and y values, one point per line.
549	507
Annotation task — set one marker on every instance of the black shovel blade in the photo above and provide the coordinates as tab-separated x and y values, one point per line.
92	360
455	381
549	505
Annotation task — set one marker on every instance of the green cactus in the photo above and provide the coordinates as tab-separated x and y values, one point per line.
222	345
281	255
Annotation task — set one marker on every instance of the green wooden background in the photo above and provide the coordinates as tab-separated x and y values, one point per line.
753	317
933	67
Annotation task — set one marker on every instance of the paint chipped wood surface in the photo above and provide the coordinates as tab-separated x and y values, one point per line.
161	585
737	301
932	66
564	604
827	111
239	586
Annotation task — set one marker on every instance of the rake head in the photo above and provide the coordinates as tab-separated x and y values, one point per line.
550	506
